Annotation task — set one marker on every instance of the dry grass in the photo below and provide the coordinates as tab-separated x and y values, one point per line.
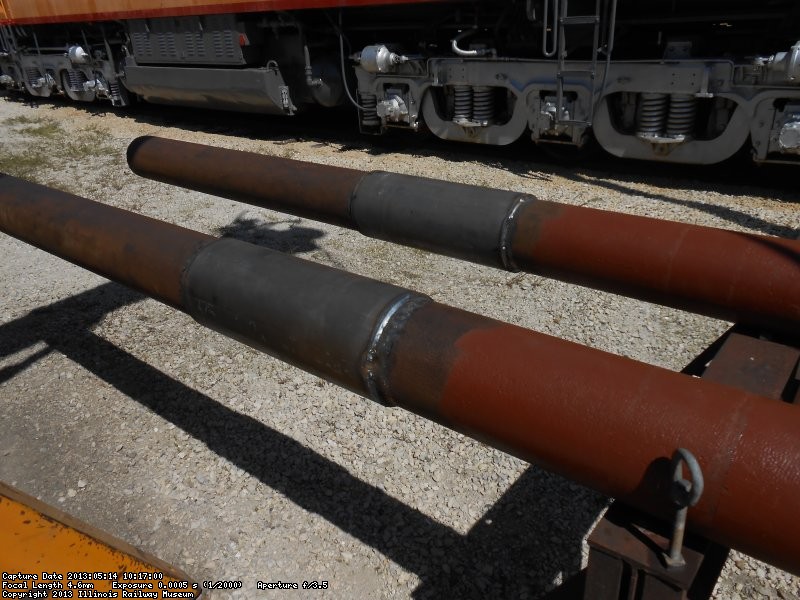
35	149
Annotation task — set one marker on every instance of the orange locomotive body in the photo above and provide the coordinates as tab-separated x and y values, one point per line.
684	81
27	12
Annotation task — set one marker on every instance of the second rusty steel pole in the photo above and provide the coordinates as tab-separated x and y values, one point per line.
607	422
729	275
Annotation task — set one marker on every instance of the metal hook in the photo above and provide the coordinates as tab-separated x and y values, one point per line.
685	494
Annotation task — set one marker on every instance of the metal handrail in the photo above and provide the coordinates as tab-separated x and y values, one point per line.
550	53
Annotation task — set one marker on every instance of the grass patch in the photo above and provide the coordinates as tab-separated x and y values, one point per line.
49	130
89	142
22	120
40	149
30	159
27	164
36	126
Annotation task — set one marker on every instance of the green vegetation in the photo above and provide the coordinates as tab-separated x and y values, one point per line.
26	160
47	129
34	148
26	163
22	120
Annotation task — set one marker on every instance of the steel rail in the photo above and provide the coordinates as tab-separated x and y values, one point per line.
607	422
729	275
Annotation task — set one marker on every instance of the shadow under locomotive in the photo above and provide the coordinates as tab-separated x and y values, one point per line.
338	129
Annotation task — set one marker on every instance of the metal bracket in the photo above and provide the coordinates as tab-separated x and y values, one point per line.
627	559
685	494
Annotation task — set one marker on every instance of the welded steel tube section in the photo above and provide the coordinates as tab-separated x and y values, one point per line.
145	254
725	274
608	422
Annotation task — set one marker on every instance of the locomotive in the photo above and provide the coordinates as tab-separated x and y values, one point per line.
681	81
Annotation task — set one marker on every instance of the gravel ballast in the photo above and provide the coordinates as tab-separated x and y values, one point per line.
234	466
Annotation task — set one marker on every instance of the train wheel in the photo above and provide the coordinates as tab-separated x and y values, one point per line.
72	82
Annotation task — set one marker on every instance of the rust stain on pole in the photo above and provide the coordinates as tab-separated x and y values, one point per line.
145	254
610	423
729	275
725	274
607	422
301	188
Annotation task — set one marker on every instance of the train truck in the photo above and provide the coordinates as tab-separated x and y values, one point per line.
681	81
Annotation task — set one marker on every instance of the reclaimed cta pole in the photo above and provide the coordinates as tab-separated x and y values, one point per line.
730	275
607	422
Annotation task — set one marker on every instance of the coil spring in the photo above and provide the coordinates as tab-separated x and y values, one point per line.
116	94
462	107
652	113
483	105
369	102
682	114
34	76
76	80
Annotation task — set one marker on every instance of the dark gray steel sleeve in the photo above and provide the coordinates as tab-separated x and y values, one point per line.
730	275
463	221
318	318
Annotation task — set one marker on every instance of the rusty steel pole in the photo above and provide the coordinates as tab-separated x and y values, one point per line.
607	422
735	276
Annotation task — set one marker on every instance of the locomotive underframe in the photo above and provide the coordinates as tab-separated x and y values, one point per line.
530	88
676	108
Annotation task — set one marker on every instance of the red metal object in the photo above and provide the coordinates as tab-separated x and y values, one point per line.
605	421
305	189
25	12
625	561
758	366
721	273
142	253
610	423
735	276
626	547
